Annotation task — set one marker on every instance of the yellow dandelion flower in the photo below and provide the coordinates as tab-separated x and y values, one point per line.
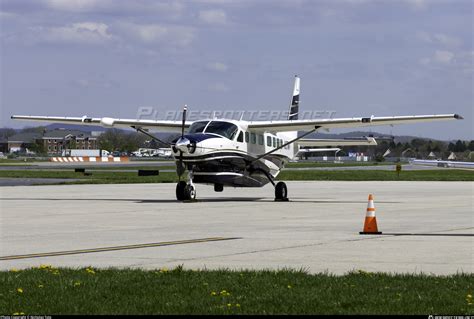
289	286
229	305
40	286
90	271
44	266
14	270
213	293
77	284
237	305
469	296
20	290
163	270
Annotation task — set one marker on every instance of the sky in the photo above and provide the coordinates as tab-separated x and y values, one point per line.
354	57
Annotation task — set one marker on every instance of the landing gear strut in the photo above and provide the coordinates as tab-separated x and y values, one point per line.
186	191
281	191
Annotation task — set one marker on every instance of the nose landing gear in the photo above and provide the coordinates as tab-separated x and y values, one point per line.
186	191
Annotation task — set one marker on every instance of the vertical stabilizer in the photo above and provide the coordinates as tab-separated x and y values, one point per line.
295	101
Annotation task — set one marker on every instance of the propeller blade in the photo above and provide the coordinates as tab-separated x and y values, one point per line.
184	120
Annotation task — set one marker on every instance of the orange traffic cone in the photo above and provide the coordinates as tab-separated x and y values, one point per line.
370	225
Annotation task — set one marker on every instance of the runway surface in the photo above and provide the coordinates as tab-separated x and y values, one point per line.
427	227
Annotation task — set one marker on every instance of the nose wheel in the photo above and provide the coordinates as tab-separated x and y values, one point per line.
186	191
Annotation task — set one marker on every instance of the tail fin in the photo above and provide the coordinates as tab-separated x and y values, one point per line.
295	101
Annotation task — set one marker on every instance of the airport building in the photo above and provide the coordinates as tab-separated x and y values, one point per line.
52	142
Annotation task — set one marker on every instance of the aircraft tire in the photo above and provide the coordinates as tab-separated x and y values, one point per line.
281	192
190	192
180	190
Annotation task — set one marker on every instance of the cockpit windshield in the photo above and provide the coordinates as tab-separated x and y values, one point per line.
197	127
224	129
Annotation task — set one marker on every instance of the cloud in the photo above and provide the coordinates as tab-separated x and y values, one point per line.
439	39
217	66
159	33
100	83
445	57
80	33
213	16
218	87
77	5
7	15
417	4
462	61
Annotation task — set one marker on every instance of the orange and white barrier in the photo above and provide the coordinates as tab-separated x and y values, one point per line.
370	224
82	159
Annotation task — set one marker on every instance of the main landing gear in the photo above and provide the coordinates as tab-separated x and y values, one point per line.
281	192
186	191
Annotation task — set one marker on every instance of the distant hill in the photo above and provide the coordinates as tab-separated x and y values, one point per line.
396	138
84	128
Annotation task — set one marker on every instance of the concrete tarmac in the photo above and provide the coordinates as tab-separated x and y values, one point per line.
427	227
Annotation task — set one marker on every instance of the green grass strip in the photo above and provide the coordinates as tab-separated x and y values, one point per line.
47	290
306	175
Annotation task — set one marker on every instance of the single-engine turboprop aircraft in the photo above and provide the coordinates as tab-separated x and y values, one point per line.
241	153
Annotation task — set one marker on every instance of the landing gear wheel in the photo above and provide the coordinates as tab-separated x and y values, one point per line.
281	192
190	192
180	190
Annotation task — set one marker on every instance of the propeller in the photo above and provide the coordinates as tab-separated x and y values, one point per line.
184	120
182	140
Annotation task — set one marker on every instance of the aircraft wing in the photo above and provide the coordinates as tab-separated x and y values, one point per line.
337	142
164	126
307	125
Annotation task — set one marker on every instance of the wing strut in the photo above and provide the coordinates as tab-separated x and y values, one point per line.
139	129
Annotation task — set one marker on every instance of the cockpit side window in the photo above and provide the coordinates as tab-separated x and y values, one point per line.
197	127
240	138
224	129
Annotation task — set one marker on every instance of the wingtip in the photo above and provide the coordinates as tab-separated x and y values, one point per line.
458	117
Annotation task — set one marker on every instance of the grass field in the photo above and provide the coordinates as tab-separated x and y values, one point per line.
331	164
47	290
379	175
311	175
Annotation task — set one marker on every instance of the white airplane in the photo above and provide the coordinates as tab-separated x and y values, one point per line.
240	153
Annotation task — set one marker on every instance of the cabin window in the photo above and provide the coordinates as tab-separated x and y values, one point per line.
247	137
224	129
253	138
240	138
274	142
269	141
197	127
260	139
